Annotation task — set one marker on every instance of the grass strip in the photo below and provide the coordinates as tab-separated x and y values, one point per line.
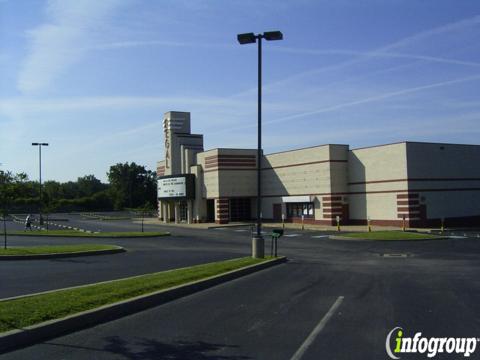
27	311
75	233
389	235
60	249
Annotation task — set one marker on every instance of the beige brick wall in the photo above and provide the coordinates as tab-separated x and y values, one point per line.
234	176
371	173
305	171
210	187
374	182
446	177
427	160
314	171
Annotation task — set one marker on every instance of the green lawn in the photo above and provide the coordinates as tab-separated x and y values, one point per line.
75	233
19	313
389	235
38	250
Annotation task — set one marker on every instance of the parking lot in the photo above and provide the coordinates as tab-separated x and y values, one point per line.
334	299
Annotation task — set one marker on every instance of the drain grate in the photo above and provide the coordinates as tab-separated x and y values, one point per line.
394	255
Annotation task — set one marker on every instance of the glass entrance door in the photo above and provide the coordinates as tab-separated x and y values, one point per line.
183	207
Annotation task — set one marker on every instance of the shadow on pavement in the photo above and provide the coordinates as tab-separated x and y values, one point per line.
149	349
153	349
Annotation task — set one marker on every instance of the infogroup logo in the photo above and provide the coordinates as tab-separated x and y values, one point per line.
428	346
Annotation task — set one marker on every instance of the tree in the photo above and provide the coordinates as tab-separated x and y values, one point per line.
89	185
70	190
22	187
146	209
52	190
48	208
131	185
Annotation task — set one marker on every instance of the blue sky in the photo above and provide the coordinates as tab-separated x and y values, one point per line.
93	78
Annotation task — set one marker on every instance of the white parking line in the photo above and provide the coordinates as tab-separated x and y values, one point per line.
292	235
320	236
311	338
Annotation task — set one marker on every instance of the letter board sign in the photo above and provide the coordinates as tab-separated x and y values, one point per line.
176	187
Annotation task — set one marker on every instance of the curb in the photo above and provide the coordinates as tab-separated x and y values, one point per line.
338	237
229	226
91	236
62	255
30	335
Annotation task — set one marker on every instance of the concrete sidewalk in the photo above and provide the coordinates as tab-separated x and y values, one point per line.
294	226
155	221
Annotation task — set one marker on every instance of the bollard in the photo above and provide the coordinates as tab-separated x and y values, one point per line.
283	221
442	228
338	223
369	227
303	226
403	223
276	233
271	245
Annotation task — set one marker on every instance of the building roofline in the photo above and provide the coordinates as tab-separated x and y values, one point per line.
412	142
188	135
177	112
439	143
278	152
305	148
374	146
252	149
360	148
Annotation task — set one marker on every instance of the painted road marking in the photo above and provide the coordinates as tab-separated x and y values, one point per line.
320	236
457	237
311	338
291	235
241	230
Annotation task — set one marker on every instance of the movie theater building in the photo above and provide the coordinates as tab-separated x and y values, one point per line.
419	183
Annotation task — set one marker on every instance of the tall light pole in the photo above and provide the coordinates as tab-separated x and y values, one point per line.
4	210
258	243
40	177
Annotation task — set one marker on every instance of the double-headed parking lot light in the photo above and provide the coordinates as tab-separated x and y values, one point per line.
258	243
247	38
40	177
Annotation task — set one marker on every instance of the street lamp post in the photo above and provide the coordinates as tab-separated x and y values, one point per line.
258	243
4	210
40	177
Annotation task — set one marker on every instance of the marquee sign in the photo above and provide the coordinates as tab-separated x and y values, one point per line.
176	187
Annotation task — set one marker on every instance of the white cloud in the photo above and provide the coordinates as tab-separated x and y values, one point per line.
147	43
379	97
61	42
380	54
370	99
463	26
20	106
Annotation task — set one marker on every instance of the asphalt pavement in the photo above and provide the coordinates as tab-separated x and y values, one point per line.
334	299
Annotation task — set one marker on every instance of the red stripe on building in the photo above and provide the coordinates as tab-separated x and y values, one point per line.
408	196
332	204
331	198
408	202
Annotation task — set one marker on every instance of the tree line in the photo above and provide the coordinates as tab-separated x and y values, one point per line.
129	186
